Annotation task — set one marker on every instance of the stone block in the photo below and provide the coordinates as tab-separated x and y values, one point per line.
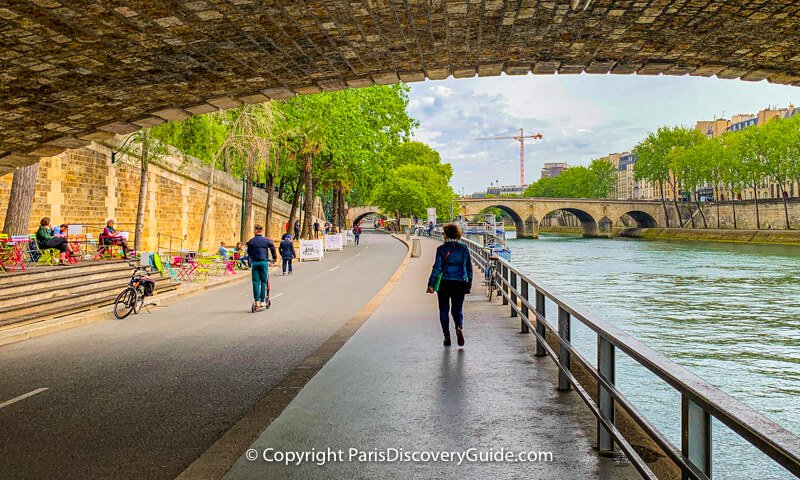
147	122
278	93
172	114
120	128
224	103
255	98
201	108
386	78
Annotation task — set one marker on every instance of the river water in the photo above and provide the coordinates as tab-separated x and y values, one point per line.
730	313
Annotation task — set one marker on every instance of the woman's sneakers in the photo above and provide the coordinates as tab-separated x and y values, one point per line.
460	337
446	341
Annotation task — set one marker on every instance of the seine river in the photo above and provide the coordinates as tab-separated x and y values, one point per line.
730	313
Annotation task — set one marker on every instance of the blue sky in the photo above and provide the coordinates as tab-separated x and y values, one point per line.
582	117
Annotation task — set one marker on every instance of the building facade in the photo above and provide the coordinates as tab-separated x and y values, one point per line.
553	169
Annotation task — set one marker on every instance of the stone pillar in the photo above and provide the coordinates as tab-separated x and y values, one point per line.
605	228
529	228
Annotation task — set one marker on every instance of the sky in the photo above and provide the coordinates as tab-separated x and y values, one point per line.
581	117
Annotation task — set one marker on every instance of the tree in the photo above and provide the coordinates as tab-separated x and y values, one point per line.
778	143
604	175
411	189
749	164
141	204
20	201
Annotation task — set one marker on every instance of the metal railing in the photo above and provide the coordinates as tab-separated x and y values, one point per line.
168	244
700	401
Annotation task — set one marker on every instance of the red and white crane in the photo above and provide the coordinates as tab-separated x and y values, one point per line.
521	139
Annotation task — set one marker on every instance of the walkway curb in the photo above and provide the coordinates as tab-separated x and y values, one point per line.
25	332
218	459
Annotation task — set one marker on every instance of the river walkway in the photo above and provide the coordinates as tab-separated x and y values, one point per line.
394	386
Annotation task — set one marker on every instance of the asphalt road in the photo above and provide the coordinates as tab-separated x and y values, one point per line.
145	396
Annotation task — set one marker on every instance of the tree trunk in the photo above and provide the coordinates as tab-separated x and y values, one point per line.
247	225
664	202
717	200
758	216
334	204
785	206
342	211
207	209
702	215
142	204
308	203
691	215
270	203
20	201
281	187
295	203
675	201
733	205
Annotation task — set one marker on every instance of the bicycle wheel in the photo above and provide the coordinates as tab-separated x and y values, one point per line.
125	303
138	303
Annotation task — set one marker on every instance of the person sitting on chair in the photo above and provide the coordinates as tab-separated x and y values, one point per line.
223	251
110	236
46	240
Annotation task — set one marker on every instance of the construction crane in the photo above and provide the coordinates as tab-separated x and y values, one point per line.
521	139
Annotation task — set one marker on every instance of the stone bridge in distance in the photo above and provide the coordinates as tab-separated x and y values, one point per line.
597	216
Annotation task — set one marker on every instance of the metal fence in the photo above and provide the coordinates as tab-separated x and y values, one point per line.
700	401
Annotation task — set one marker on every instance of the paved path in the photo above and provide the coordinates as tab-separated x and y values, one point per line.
394	385
144	397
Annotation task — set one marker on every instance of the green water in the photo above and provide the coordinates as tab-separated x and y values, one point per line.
730	313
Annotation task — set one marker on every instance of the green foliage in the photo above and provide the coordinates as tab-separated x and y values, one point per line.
594	181
412	189
200	136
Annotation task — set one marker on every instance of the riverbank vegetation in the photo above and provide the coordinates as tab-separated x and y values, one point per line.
683	160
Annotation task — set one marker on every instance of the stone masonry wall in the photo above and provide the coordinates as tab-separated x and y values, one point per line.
82	186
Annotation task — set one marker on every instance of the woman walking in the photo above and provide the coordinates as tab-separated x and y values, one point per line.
451	279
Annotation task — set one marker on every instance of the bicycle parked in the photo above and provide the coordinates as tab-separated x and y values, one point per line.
492	277
132	298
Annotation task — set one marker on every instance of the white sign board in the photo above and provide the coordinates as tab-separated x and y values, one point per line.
333	242
311	250
350	238
432	215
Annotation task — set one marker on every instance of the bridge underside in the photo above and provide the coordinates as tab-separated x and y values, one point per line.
73	71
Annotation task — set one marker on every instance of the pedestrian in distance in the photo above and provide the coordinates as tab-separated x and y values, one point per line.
297	229
451	280
316	228
357	233
286	249
259	249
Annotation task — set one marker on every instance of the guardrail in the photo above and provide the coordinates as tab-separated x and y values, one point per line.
700	401
159	236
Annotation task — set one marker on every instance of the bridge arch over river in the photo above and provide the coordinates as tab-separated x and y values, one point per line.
597	216
74	72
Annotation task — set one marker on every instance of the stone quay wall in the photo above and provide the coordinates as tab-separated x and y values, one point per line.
82	186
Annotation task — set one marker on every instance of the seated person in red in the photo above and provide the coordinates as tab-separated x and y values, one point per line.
45	240
110	236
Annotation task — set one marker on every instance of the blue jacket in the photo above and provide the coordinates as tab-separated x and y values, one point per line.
259	248
458	265
286	249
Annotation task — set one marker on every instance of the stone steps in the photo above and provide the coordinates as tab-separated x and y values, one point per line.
46	293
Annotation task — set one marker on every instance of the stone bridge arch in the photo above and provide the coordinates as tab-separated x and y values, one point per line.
74	73
597	216
356	214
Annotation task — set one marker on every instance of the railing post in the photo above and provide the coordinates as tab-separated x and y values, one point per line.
504	283
523	327
696	436
606	368
540	351
564	357
511	288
